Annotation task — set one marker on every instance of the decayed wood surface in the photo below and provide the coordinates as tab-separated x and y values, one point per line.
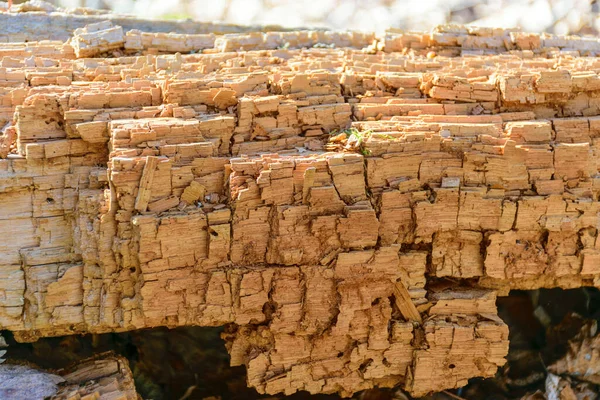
105	376
349	206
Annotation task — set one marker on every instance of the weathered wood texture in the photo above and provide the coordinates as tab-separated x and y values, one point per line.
105	376
224	187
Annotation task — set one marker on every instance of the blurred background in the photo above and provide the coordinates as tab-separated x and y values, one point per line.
555	16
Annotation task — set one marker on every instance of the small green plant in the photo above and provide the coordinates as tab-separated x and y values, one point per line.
354	134
359	137
324	46
356	139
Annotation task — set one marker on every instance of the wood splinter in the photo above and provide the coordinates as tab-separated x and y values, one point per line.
143	196
405	304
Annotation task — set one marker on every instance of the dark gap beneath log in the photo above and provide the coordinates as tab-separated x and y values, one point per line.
165	362
540	324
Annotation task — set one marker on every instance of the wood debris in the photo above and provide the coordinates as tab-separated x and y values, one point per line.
105	376
308	195
580	361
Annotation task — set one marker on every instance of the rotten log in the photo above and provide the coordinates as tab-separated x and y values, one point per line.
351	223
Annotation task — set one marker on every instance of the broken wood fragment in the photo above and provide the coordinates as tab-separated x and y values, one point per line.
143	196
194	192
103	376
405	304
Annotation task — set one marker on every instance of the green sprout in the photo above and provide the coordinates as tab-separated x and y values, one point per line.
356	138
359	136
